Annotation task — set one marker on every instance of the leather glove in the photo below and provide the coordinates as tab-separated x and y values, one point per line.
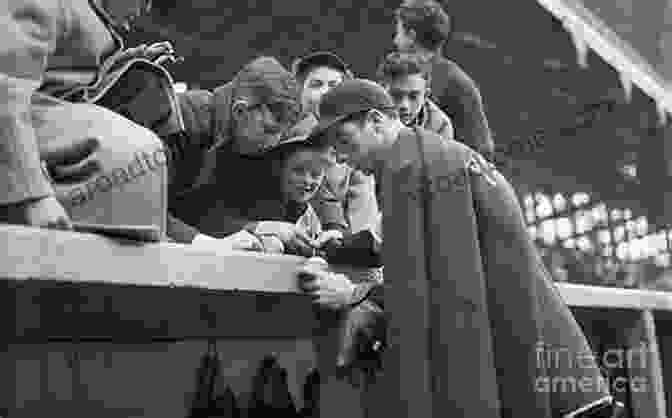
363	341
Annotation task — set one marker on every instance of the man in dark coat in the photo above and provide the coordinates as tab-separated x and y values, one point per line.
472	311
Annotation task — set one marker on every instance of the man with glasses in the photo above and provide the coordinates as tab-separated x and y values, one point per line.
215	174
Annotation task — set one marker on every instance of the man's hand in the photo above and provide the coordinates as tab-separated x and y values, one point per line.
294	238
363	327
363	341
45	213
243	240
272	245
327	237
333	291
74	163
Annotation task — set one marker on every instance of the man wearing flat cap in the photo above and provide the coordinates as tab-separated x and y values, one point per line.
463	341
215	178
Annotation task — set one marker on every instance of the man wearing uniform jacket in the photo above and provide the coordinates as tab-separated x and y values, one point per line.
468	300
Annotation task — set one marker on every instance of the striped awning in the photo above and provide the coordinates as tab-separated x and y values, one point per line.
630	37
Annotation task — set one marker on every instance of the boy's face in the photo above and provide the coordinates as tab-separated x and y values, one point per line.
409	94
402	39
302	174
318	81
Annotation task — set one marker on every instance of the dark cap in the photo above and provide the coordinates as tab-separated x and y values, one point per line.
347	99
320	59
281	151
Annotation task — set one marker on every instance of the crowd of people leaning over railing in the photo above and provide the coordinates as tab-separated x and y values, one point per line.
301	160
241	173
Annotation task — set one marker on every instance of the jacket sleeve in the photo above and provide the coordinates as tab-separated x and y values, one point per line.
532	314
362	207
187	149
446	131
463	101
28	33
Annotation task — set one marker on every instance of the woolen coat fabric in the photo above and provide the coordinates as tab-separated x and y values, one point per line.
469	300
458	95
48	49
42	41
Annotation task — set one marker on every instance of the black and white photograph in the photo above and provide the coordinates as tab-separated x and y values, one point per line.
327	209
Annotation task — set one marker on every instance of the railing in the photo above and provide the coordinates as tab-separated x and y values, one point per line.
99	328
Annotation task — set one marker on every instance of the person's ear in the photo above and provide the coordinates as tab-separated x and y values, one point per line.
239	110
410	34
375	118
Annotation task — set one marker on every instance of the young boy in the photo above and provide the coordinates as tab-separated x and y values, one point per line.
407	79
422	28
317	73
299	166
296	169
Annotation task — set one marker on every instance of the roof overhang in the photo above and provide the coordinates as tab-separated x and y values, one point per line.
590	32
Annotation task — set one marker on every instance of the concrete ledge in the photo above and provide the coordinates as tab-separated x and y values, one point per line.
32	253
70	257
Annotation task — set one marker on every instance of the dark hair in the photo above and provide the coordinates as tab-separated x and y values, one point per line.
303	66
323	140
431	24
396	65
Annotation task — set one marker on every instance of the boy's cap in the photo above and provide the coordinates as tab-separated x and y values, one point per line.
267	81
319	59
349	98
286	146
